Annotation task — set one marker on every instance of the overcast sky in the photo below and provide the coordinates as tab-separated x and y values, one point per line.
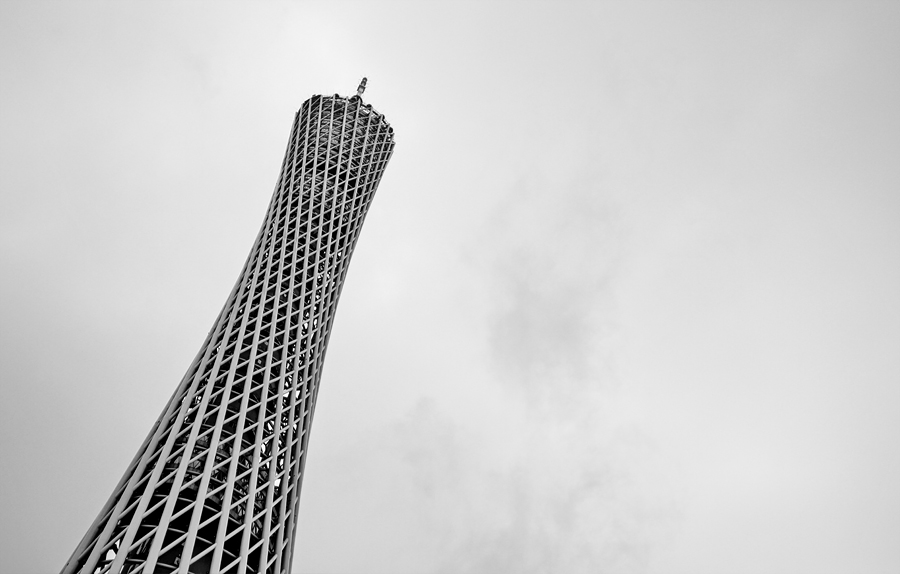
627	300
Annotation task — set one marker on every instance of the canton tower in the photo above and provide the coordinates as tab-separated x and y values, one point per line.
215	486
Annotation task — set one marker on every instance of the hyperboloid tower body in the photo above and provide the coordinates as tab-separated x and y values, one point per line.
215	487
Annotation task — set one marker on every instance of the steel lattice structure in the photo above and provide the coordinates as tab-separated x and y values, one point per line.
215	487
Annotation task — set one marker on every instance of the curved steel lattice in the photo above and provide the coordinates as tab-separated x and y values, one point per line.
216	485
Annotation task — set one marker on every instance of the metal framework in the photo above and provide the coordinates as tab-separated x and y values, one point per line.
215	487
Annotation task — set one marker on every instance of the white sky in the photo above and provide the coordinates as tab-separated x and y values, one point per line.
628	299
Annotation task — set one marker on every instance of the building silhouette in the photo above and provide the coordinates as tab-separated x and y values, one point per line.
215	486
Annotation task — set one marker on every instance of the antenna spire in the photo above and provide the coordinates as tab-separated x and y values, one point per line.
361	88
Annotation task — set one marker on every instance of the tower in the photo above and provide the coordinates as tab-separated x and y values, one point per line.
215	486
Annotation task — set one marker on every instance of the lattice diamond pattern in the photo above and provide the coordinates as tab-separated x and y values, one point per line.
216	485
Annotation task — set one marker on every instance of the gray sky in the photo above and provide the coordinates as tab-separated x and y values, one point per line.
626	301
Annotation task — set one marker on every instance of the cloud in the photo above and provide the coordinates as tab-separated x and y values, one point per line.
564	497
548	481
548	254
